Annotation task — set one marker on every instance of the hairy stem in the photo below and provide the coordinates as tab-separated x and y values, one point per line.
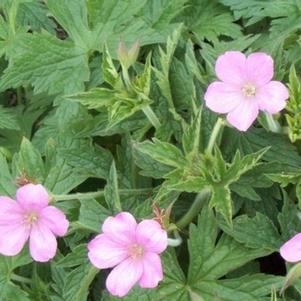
95	194
195	208
273	124
20	279
151	116
214	135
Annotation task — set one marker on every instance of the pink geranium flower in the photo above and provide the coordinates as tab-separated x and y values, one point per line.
132	249
245	88
291	250
31	218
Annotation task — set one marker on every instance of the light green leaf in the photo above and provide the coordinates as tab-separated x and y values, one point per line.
111	190
221	200
257	232
49	64
91	216
8	119
163	152
28	162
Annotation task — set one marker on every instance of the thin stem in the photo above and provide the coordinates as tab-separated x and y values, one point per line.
20	279
86	282
175	242
273	124
19	96
150	114
194	209
95	194
214	135
126	77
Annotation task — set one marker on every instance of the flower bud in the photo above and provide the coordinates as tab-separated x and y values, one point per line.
127	57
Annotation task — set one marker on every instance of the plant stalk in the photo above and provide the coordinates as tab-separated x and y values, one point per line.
20	279
95	194
273	124
214	135
195	208
151	116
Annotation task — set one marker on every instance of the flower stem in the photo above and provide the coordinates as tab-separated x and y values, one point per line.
175	242
214	134
150	114
194	209
95	194
20	279
86	282
273	124
126	77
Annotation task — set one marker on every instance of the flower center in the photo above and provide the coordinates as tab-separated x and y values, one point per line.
248	90
136	251
31	218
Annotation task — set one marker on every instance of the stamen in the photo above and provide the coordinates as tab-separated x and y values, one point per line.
31	218
136	251
248	90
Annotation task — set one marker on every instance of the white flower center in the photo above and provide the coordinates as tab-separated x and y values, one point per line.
136	251
31	218
248	90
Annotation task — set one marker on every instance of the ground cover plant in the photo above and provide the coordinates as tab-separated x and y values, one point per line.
150	150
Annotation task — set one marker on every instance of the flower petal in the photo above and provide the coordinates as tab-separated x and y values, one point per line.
260	68
152	271
55	220
10	212
291	250
272	97
151	235
231	67
120	228
222	98
42	243
13	238
124	276
105	253
32	197
244	115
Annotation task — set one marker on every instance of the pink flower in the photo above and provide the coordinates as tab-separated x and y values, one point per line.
245	88
31	218
291	250
132	249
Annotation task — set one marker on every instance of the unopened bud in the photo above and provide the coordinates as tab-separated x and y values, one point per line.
127	57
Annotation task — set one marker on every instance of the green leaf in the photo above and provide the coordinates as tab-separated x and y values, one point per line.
8	119
49	64
248	288
191	137
72	16
110	73
9	292
111	190
257	232
209	20
256	139
221	200
204	241
76	258
7	186
95	98
91	216
147	21
163	152
294	106
77	283
213	264
34	14
28	162
288	219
